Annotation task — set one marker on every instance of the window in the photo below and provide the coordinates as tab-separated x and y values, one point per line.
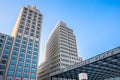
28	60
30	40
38	32
24	46
26	75
21	59
36	43
29	17
18	37
10	73
33	70
30	48
39	25
9	43
6	51
27	65
11	67
26	32
32	76
24	38
23	19
24	42
36	49
27	29
34	61
31	34
17	44
31	11
13	62
1	45
15	53
34	19
26	70
35	16
37	36
28	21
16	49
35	13
33	27
5	56
32	30
25	12
23	50
21	26
19	68
22	22
1	72
25	9
35	53
28	56
40	15
33	23
38	28
10	38
20	64
14	57
22	55
2	67
29	52
3	61
24	15
2	36
30	44
20	30
1	41
34	57
30	14
7	47
18	74
34	66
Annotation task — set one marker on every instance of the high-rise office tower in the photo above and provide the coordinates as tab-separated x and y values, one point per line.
6	42
22	47
60	51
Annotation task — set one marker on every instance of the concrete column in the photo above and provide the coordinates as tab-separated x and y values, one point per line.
83	76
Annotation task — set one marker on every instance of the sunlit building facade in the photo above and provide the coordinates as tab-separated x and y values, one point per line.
23	46
60	51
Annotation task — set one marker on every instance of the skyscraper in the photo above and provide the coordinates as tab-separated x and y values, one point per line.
6	42
60	51
24	51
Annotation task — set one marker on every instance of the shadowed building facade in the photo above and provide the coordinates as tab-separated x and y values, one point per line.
21	49
60	51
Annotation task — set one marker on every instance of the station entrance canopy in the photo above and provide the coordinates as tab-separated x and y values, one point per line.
100	67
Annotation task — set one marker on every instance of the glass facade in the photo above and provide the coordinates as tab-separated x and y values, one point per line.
19	53
6	42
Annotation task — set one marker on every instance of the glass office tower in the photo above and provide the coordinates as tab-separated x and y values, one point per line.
23	59
6	42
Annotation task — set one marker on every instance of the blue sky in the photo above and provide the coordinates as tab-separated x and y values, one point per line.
96	23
